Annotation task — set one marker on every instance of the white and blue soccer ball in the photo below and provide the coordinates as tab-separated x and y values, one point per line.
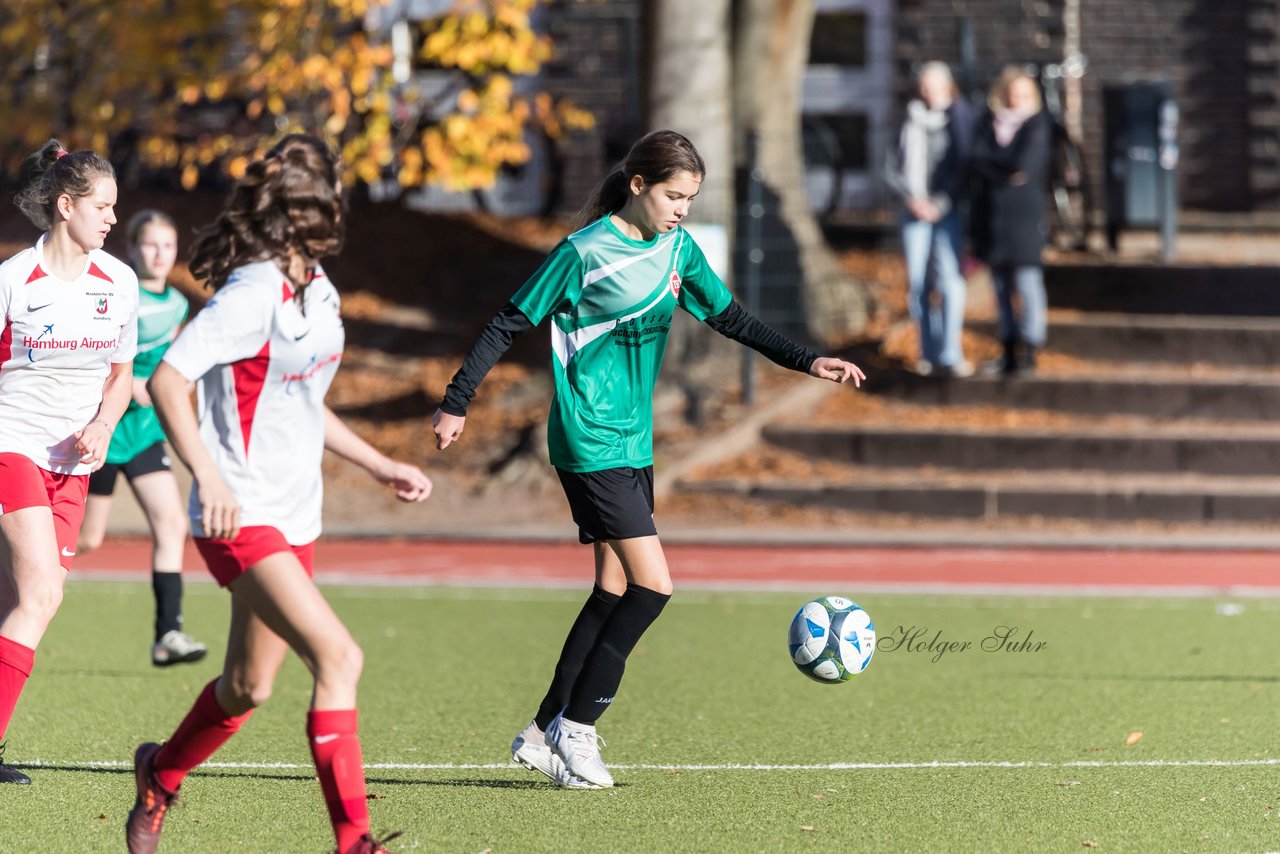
831	639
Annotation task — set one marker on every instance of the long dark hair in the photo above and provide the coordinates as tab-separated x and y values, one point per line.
655	157
287	202
51	171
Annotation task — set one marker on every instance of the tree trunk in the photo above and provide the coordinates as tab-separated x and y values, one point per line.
811	296
690	92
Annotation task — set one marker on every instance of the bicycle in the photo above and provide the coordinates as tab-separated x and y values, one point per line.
1071	195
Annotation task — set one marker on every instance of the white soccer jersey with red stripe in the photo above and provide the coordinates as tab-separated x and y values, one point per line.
263	366
57	346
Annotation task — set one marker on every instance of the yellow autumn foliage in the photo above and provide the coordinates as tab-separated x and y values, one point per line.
206	85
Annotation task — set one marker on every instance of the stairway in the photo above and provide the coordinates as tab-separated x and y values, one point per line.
1134	417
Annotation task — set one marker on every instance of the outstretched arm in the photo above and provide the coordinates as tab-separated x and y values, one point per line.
409	481
494	340
737	324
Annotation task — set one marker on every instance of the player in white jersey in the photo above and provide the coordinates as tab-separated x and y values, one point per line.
67	343
263	352
137	449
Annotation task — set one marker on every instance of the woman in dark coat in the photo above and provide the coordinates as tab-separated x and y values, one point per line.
1010	160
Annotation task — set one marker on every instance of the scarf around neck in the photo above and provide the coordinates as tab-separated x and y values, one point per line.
921	121
1007	124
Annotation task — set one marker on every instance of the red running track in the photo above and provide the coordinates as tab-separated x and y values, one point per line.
823	568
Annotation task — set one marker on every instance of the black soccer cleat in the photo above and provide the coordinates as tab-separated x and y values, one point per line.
9	774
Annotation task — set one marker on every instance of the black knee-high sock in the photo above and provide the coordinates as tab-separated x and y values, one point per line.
167	586
602	671
581	638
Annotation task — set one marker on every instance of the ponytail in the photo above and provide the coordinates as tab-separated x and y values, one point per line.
655	157
608	197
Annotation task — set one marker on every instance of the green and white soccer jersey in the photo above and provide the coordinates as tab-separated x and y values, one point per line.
159	316
610	299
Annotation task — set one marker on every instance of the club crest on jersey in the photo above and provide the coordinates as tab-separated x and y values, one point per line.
102	305
675	283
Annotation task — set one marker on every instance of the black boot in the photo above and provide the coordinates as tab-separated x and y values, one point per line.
1009	362
1004	365
1028	362
9	774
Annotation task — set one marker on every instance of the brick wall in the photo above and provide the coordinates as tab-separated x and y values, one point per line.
598	65
1198	45
1222	56
1262	58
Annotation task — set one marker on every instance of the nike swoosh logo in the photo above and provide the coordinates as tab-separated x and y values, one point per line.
66	553
325	739
31	307
303	335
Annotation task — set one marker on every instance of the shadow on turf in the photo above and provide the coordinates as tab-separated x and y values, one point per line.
304	778
1105	677
81	674
83	769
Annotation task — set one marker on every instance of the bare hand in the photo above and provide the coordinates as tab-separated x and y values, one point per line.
924	210
140	394
1017	179
92	443
448	428
219	510
410	482
837	370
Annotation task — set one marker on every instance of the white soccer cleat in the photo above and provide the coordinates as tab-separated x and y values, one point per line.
176	648
577	746
530	750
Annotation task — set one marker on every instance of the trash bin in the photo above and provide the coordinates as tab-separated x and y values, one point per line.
1141	139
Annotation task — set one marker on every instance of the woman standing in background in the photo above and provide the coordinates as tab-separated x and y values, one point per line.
1011	165
927	171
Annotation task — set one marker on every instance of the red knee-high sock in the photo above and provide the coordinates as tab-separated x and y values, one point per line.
16	662
205	728
336	751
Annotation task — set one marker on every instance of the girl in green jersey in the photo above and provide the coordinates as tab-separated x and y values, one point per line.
610	290
137	447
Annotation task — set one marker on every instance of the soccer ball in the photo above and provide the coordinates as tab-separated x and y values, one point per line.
831	639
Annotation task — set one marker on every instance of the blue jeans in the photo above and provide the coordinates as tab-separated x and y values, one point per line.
933	264
1028	324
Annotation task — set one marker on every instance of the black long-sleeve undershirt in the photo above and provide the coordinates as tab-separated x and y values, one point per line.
734	323
495	339
737	324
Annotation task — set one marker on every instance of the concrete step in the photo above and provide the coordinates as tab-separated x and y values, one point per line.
993	497
1150	447
1245	291
1155	391
779	476
1125	338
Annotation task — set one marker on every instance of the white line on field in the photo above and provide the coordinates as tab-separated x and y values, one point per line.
829	766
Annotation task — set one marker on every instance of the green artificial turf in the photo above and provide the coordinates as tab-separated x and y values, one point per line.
451	675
